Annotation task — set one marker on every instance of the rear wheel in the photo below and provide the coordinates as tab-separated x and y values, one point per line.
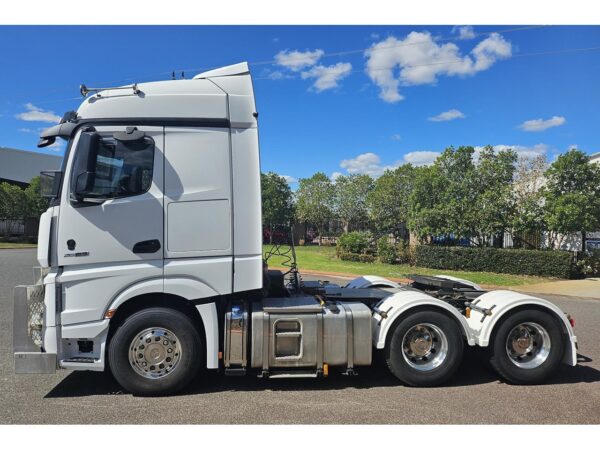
527	347
424	349
155	351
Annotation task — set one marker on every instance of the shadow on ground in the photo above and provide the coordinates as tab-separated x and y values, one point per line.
472	372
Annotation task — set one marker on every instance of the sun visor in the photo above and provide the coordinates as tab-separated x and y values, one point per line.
49	135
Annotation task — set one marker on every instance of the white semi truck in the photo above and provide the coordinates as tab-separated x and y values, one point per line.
152	264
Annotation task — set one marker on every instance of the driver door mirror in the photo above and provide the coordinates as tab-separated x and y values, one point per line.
84	169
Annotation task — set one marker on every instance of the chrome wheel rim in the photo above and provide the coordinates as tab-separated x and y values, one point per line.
528	345
424	347
154	352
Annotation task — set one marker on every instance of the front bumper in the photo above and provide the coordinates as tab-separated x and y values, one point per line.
28	324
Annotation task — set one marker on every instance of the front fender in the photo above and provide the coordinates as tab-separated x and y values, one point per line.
189	289
503	302
397	304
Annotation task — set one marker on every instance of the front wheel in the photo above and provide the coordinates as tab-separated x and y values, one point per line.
425	349
155	351
527	347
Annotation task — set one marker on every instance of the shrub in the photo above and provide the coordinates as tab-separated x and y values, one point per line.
366	258
386	252
406	253
353	242
589	264
552	263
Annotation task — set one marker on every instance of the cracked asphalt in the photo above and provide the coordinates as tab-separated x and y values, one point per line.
474	396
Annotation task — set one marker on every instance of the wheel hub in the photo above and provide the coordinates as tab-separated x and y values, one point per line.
421	345
154	352
528	345
424	346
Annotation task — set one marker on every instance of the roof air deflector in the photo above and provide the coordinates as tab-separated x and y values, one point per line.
235	69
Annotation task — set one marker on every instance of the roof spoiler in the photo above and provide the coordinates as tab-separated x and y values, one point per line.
64	129
227	71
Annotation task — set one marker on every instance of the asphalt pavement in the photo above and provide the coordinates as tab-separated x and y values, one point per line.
474	396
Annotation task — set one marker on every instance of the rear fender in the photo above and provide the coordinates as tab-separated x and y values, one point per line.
368	281
502	303
403	302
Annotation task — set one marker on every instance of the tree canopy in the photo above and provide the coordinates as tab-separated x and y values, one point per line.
351	194
277	200
572	195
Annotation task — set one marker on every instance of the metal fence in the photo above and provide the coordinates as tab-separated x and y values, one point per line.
12	227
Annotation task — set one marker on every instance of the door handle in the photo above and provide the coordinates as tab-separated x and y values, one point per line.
151	246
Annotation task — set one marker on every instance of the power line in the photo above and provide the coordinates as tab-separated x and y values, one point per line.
457	61
387	47
274	61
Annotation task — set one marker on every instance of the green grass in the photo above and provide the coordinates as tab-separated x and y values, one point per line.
323	259
16	245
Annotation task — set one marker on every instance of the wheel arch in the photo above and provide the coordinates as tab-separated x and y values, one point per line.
507	303
400	309
203	314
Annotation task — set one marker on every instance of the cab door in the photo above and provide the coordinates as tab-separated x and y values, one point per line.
111	208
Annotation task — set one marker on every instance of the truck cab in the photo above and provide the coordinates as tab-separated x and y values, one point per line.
151	263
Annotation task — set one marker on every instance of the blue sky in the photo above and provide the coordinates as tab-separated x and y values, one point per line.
325	103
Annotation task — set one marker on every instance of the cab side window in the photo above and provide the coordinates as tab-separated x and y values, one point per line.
117	168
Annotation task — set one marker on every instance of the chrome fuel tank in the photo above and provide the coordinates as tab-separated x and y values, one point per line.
302	332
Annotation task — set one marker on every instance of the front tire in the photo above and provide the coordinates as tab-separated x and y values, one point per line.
424	349
527	347
156	351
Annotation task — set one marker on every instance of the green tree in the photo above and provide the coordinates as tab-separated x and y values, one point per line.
494	210
425	216
36	204
462	196
389	200
13	205
351	198
444	200
572	195
315	201
277	205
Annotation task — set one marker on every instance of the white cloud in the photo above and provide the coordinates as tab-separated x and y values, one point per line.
57	146
335	175
396	137
365	163
327	77
35	114
289	179
523	151
421	158
296	60
451	114
422	60
464	32
277	75
28	130
541	124
374	36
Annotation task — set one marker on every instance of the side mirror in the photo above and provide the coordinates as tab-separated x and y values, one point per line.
50	183
84	168
84	183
